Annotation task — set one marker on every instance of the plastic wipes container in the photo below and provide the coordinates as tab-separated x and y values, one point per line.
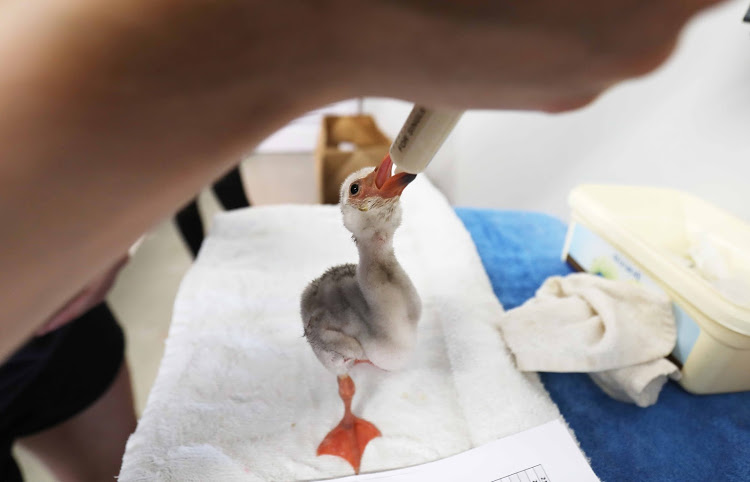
676	243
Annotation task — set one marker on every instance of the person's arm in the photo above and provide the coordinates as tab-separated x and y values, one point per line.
113	114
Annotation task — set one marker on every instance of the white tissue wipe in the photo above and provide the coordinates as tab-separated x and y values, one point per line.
715	267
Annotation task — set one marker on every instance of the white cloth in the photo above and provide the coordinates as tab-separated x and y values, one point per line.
585	323
639	384
240	395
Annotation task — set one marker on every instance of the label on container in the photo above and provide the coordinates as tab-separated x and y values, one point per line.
595	255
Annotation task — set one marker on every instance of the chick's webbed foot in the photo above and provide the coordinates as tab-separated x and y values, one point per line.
350	437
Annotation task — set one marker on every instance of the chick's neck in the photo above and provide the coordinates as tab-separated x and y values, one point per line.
379	274
375	246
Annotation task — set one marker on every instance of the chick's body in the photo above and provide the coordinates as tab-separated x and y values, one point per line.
335	310
368	311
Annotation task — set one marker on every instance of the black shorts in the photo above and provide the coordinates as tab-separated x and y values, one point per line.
56	376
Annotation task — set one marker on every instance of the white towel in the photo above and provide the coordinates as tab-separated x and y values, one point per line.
241	396
617	331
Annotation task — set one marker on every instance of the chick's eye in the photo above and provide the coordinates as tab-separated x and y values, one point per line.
354	188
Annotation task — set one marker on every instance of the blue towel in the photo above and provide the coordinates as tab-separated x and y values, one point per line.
683	437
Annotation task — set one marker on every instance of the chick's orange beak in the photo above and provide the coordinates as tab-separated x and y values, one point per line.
391	186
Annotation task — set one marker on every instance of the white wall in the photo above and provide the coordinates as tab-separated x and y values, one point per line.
685	126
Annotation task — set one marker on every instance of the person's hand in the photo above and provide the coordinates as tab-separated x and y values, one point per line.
90	296
219	57
520	54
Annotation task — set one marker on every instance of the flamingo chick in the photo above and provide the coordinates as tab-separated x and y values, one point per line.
364	313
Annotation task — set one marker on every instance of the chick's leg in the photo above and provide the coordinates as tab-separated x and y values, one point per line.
350	437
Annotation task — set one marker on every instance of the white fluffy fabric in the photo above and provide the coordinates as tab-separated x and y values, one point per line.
240	395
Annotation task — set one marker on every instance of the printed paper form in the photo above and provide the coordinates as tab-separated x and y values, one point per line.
546	453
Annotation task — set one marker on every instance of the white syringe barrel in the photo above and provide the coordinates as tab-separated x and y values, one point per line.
423	133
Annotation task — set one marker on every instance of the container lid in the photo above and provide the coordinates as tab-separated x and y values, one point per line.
700	251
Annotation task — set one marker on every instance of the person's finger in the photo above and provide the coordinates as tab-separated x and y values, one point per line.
701	4
690	8
569	104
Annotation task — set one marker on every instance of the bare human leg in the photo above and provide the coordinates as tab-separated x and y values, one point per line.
90	445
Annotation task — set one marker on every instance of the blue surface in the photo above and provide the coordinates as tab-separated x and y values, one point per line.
683	437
